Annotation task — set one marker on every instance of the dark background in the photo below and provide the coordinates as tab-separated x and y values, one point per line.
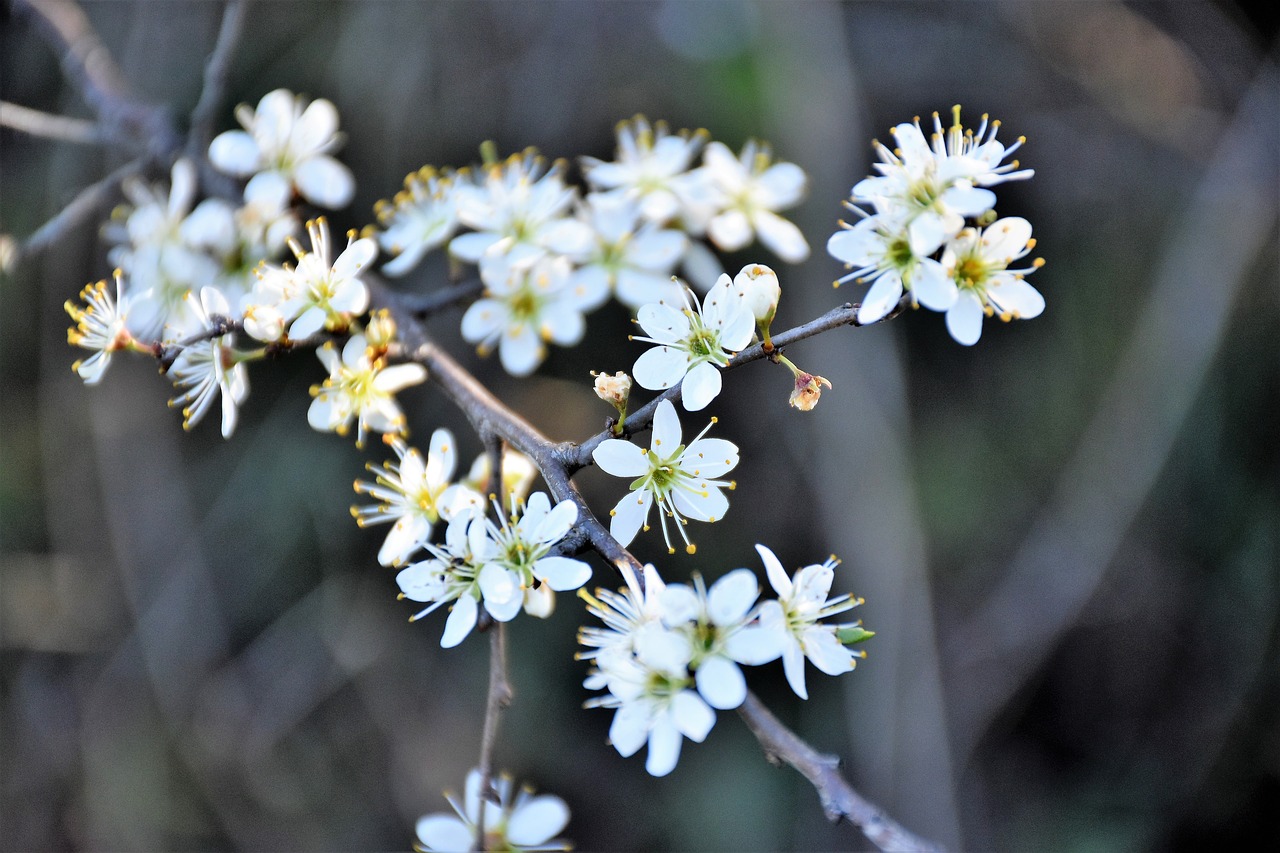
1067	535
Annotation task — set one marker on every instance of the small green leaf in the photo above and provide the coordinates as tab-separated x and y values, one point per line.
850	634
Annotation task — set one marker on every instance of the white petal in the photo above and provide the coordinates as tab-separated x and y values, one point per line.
827	653
629	516
484	318
1017	297
931	285
537	821
660	367
620	458
316	127
732	596
354	258
778	577
664	323
968	200
404	538
664	749
235	153
754	645
399	376
1005	239
710	457
964	319
445	833
860	245
707	504
701	385
470	247
785	184
666	429
781	236
679	605
730	230
562	573
721	683
462	618
629	729
521	350
325	182
692	716
793	666
881	298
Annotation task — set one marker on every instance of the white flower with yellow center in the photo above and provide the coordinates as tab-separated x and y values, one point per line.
421	217
99	327
751	188
650	168
290	137
413	495
526	306
880	253
360	388
209	368
977	261
512	820
680	479
693	342
631	258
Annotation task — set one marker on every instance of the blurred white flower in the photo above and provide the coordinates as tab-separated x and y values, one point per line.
414	494
421	217
977	261
632	259
208	369
680	479
693	342
360	388
751	190
650	169
292	138
527	305
512	820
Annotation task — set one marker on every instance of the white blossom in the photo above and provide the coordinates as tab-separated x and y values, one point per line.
751	189
693	342
360	388
680	479
413	494
101	327
651	168
880	252
209	369
512	820
793	617
421	217
526	306
632	259
292	138
977	261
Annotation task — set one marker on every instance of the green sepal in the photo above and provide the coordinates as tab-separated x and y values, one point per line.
850	634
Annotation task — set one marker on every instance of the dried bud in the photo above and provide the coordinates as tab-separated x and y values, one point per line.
381	330
759	287
615	389
808	390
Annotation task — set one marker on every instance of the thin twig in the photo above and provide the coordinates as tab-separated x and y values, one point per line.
49	125
499	697
87	202
216	71
839	799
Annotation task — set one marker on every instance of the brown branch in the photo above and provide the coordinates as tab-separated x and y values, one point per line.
87	202
49	125
499	697
216	71
839	799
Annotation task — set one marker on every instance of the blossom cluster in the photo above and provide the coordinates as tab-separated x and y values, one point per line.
548	254
670	655
928	228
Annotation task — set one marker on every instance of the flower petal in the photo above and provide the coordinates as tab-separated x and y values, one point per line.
537	821
325	182
562	573
701	385
964	319
462	618
721	683
620	458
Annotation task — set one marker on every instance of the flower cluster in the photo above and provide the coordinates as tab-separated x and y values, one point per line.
928	228
511	820
548	254
670	655
505	566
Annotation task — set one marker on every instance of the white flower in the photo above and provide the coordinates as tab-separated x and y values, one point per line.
633	260
651	166
414	494
518	210
360	387
421	217
760	291
262	228
717	625
693	342
209	368
101	327
652	690
881	253
517	821
931	188
802	601
525	306
287	136
977	261
679	479
504	565
162	255
751	190
319	293
623	614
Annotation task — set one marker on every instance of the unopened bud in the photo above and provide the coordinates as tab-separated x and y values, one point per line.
760	290
615	389
807	391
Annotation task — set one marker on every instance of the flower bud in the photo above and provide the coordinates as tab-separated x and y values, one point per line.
758	286
381	330
615	389
807	391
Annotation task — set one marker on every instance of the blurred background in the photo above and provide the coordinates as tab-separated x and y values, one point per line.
1068	536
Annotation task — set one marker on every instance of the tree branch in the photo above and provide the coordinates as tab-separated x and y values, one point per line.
49	125
499	697
216	70
86	203
839	799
